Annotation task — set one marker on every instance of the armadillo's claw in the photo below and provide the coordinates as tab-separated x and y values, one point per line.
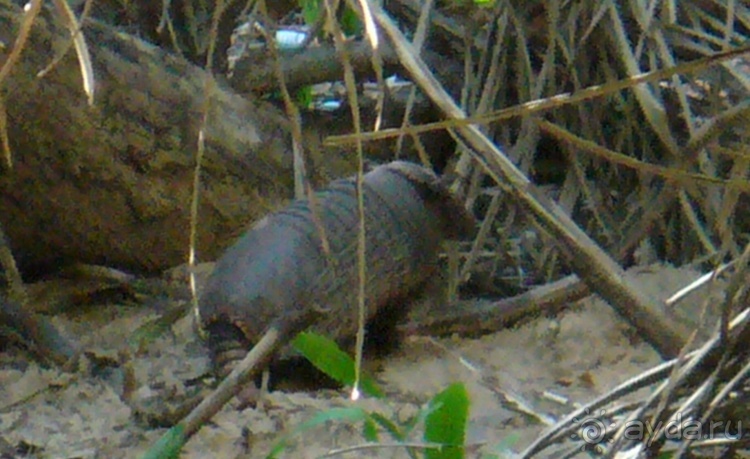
227	346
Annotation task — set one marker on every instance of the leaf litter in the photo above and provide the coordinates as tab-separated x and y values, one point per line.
547	366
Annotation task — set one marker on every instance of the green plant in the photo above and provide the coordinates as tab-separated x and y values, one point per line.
348	19
444	417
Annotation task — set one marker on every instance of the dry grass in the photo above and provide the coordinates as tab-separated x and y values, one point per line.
660	165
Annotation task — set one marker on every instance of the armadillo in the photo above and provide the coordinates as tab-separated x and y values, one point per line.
305	256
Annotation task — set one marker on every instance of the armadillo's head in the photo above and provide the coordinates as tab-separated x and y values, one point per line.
456	222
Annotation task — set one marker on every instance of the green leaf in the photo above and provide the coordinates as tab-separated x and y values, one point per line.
304	97
352	414
394	430
390	426
350	23
370	431
310	11
327	357
446	423
169	445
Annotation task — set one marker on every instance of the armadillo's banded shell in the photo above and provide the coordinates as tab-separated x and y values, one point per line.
306	255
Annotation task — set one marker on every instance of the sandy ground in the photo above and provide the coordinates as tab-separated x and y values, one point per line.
549	365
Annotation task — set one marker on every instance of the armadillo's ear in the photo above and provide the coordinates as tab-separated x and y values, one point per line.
457	222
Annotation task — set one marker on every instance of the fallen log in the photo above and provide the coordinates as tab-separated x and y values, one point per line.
111	183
